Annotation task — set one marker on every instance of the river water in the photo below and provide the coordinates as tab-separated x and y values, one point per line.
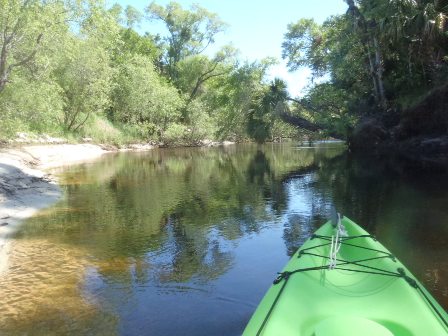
187	241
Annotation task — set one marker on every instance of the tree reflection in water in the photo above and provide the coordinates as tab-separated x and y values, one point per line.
157	233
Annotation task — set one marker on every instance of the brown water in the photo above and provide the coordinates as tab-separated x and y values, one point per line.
187	241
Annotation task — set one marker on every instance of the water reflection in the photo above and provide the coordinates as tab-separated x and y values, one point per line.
186	241
404	204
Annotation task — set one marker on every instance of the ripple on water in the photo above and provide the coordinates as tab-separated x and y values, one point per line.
41	292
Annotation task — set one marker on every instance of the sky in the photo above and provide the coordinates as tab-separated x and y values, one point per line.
256	28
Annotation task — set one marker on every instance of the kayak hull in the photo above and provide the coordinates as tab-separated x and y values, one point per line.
369	292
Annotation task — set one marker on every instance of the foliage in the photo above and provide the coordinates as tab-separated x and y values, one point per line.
372	59
82	69
331	107
174	135
133	43
195	71
142	97
85	77
102	130
303	46
200	125
36	104
190	32
24	27
232	98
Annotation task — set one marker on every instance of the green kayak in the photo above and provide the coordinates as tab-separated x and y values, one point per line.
342	282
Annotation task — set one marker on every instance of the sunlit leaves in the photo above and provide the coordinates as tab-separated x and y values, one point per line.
190	32
142	96
85	76
304	46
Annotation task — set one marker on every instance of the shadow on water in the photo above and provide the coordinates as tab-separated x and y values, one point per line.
187	240
402	203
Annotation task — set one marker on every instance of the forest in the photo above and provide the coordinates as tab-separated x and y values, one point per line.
81	69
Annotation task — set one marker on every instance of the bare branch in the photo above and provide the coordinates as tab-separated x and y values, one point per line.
82	123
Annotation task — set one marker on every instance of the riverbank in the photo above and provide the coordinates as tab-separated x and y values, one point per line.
418	133
26	185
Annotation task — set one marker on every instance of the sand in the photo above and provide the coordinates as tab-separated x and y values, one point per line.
26	185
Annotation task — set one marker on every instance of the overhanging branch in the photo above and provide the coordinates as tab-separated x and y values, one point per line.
282	112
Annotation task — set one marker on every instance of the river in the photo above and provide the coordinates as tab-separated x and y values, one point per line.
186	241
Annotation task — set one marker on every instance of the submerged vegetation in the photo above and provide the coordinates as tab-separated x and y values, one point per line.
83	69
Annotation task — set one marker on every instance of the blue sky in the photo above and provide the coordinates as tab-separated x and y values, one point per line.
256	28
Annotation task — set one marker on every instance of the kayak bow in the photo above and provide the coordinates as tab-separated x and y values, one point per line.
342	282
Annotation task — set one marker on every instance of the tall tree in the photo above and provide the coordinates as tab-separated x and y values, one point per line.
304	45
190	32
84	72
195	71
24	24
143	98
263	110
367	30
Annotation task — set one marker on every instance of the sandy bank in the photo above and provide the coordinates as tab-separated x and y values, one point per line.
26	186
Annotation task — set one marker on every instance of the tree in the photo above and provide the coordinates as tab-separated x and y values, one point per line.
84	70
231	96
196	70
85	77
133	43
366	29
133	16
23	27
303	45
189	32
143	98
262	112
130	41
30	103
379	58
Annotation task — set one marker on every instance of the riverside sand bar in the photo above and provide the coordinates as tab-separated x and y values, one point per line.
25	185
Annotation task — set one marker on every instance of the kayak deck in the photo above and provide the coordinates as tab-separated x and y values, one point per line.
369	292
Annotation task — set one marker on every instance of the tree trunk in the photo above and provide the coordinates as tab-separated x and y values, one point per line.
371	45
379	74
3	65
372	74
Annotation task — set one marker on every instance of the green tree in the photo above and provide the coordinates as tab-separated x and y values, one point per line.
27	104
86	79
133	16
231	96
262	113
84	70
303	47
195	71
378	58
190	32
134	43
24	25
142	97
